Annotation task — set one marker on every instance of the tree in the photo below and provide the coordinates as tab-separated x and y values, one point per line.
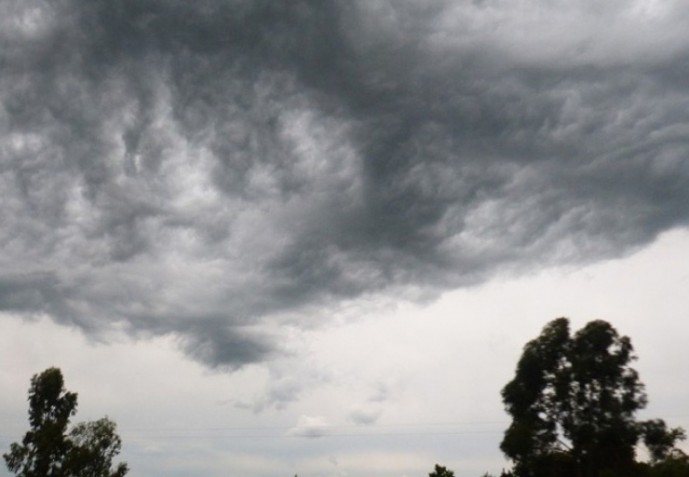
660	440
441	471
573	402
48	449
674	465
95	445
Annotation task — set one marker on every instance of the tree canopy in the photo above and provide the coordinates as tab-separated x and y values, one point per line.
573	402
50	449
441	471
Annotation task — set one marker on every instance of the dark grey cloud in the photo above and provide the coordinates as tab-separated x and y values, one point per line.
197	168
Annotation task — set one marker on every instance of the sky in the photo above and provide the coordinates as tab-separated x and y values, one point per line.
312	237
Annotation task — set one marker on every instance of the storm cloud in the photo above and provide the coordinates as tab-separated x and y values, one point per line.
200	168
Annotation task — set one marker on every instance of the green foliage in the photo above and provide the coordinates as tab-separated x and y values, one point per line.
573	402
44	447
441	471
660	440
49	450
94	446
676	464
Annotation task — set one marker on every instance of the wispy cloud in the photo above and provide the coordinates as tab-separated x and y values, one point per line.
365	415
309	426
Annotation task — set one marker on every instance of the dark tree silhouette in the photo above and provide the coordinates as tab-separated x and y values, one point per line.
573	402
441	471
48	449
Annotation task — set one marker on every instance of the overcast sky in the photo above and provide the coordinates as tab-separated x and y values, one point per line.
311	237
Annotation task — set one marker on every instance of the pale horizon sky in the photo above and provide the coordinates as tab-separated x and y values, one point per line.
312	237
386	390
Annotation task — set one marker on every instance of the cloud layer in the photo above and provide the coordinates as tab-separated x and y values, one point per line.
199	168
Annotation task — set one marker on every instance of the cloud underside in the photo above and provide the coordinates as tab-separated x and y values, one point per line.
200	168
